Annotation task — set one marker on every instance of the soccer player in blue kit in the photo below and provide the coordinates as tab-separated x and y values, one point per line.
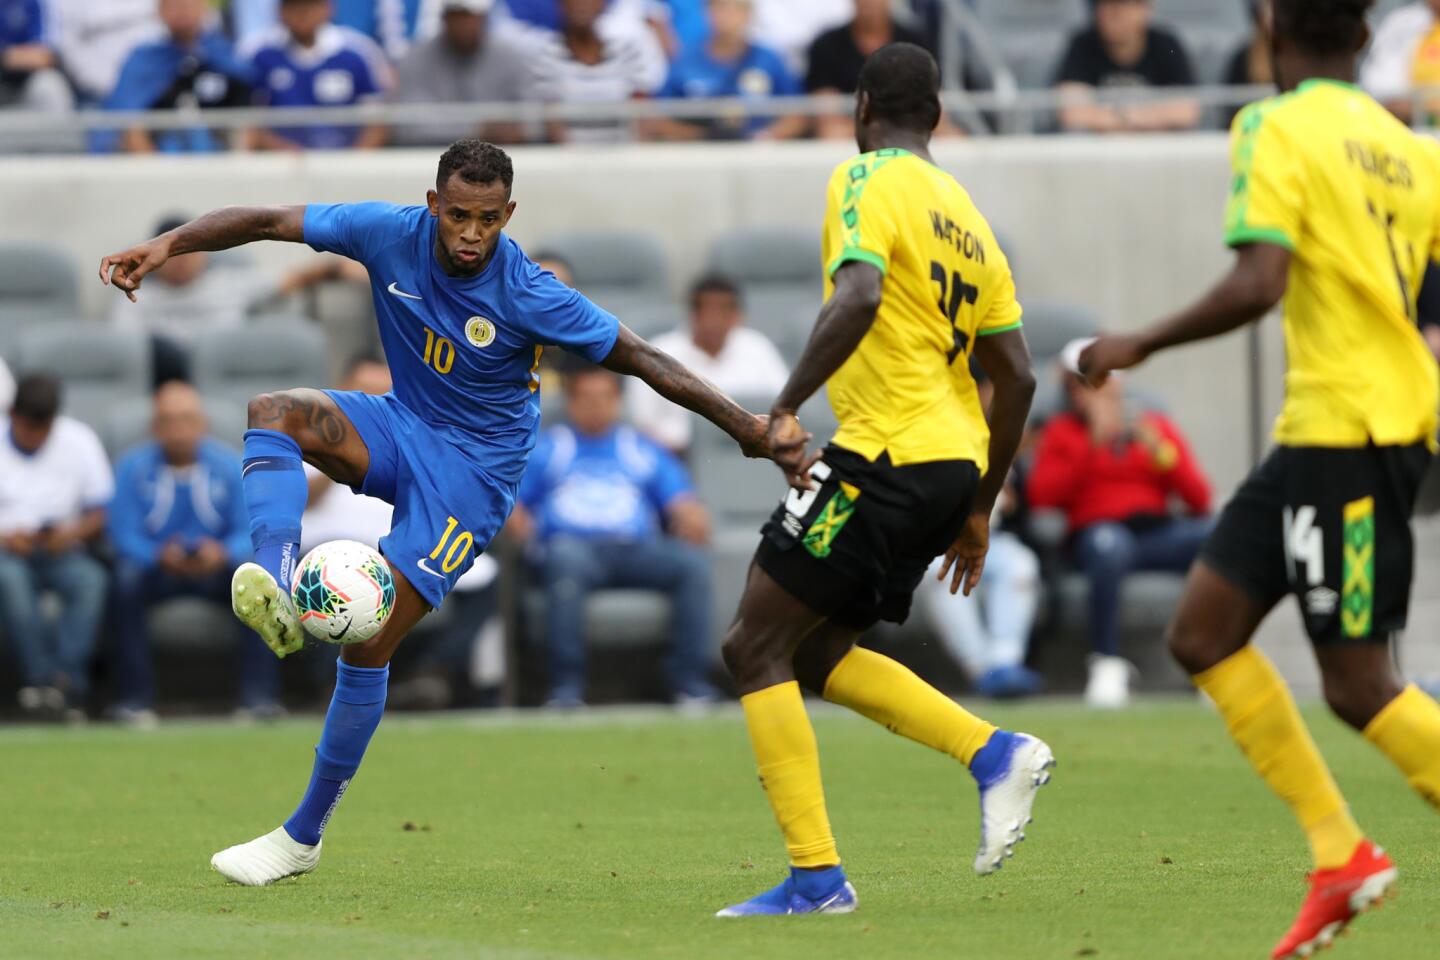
464	315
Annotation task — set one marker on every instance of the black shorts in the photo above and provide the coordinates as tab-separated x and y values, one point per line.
1331	526
855	549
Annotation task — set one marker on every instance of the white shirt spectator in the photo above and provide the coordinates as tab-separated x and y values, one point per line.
557	77
790	26
7	387
94	39
748	363
57	483
1388	72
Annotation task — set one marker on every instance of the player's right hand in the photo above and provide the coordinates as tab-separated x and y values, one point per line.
965	560
127	269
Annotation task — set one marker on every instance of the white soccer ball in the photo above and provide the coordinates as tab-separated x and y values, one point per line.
344	592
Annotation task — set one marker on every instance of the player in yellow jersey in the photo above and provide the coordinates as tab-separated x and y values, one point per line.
1335	208
915	285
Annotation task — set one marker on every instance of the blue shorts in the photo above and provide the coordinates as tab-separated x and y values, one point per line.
447	508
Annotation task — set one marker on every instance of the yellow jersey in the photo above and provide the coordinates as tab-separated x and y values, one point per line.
907	389
1330	175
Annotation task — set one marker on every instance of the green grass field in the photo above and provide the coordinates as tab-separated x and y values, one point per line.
617	836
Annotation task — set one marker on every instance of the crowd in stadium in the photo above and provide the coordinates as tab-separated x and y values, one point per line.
169	55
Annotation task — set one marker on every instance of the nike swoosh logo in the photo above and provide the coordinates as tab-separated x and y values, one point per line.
394	288
425	566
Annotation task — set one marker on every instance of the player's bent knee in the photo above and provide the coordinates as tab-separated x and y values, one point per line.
1357	697
271	411
751	654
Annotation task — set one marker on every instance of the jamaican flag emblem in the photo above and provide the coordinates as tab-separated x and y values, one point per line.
837	512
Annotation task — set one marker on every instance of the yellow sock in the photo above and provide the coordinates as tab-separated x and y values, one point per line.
1408	732
887	692
1263	720
789	764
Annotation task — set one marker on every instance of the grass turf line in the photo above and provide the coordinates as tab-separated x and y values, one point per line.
618	839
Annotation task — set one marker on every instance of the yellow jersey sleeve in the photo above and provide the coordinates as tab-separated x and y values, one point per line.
1003	313
1267	192
860	220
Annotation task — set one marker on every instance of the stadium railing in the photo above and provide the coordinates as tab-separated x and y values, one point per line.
1007	110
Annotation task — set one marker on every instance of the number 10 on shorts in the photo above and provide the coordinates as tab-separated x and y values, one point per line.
455	550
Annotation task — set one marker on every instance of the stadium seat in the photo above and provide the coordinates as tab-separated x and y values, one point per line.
37	285
273	353
99	366
1049	326
1031	34
780	272
623	271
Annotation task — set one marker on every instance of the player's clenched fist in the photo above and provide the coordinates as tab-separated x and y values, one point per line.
127	269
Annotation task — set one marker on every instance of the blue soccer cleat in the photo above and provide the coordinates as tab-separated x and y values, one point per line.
1010	770
804	891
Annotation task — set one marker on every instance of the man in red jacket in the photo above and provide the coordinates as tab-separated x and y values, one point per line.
1118	476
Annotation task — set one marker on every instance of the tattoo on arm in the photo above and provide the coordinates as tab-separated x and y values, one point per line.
234	226
679	384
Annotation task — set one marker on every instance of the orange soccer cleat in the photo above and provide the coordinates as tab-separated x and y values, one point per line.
1338	896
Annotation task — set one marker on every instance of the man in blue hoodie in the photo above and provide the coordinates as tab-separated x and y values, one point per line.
179	527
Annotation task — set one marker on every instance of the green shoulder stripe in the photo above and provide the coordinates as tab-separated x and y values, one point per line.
1005	329
1246	131
858	177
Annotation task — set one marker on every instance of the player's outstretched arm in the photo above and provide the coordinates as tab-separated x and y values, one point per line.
218	230
679	384
1252	288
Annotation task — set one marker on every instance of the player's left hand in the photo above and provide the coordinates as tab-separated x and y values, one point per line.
785	443
1110	353
965	560
127	269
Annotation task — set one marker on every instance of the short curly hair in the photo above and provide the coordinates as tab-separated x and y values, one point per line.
475	161
1324	27
902	81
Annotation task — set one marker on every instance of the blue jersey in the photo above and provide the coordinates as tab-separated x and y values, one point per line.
22	22
616	486
758	73
344	67
464	353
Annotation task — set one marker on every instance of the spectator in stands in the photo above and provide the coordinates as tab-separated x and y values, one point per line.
583	64
718	346
728	64
992	648
643	24
1251	65
790	26
1117	477
463	663
604	507
393	24
1122	50
55	484
29	77
1405	57
179	528
189	295
193	65
465	63
837	55
308	61
95	39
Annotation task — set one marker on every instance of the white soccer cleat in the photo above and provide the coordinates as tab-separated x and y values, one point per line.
266	859
1006	801
261	605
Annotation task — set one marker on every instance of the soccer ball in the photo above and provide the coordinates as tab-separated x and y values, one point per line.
343	592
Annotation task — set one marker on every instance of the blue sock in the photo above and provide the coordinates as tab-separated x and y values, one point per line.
354	714
992	761
275	495
817	884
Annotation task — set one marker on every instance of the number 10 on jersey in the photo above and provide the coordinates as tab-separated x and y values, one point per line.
458	548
